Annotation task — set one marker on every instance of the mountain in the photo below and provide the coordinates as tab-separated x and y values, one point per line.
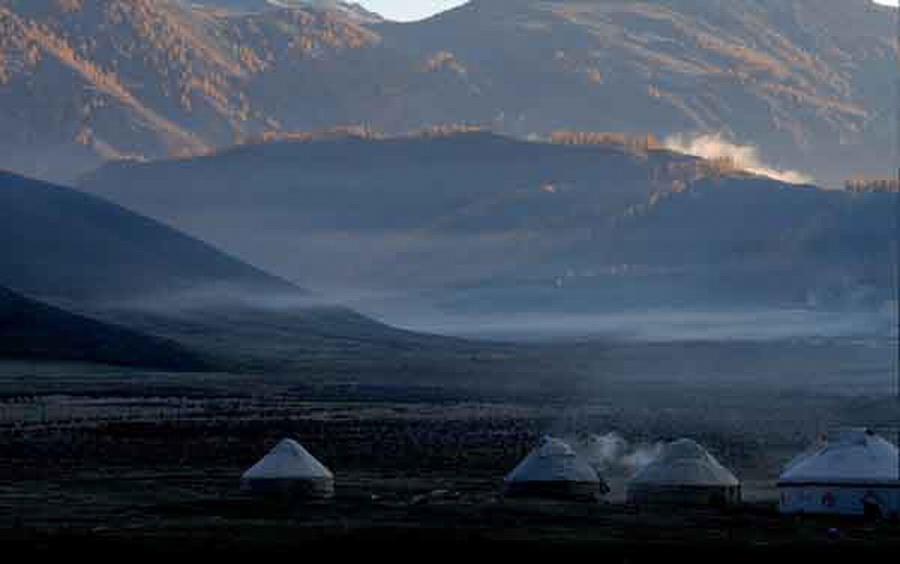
62	244
137	292
577	221
725	243
808	82
109	79
34	331
437	208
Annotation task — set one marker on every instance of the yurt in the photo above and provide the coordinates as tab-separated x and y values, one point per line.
684	473
554	470
289	469
855	472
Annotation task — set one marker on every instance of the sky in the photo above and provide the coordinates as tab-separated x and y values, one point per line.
410	10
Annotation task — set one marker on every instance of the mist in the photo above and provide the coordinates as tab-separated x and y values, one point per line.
657	326
216	297
426	312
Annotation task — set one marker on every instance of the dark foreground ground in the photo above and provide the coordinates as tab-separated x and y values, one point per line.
95	459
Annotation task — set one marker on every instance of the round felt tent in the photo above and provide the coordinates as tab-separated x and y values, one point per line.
855	472
684	473
554	470
289	469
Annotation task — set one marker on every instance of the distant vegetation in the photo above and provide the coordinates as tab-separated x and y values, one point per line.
352	131
632	143
366	132
873	185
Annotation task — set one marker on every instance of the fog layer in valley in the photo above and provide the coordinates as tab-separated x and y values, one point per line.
654	326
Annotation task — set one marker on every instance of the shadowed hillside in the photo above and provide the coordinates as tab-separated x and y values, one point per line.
410	211
35	331
586	220
729	243
64	244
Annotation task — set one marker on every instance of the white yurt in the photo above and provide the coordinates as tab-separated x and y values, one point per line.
554	470
289	469
855	472
684	473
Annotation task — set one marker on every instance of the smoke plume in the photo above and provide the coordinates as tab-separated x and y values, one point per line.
612	455
744	157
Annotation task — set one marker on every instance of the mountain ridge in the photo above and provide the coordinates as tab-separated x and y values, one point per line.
807	82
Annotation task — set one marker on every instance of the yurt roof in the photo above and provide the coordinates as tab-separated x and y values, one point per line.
853	456
685	463
288	461
553	461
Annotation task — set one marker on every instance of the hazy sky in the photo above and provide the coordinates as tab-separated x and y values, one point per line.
418	9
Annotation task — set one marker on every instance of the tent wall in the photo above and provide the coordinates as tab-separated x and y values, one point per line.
840	500
564	490
718	496
320	488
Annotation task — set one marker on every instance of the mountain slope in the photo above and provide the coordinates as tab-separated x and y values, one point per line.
808	81
143	78
805	80
35	331
397	212
737	243
350	9
62	244
100	114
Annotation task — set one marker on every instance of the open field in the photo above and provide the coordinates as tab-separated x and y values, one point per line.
104	454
